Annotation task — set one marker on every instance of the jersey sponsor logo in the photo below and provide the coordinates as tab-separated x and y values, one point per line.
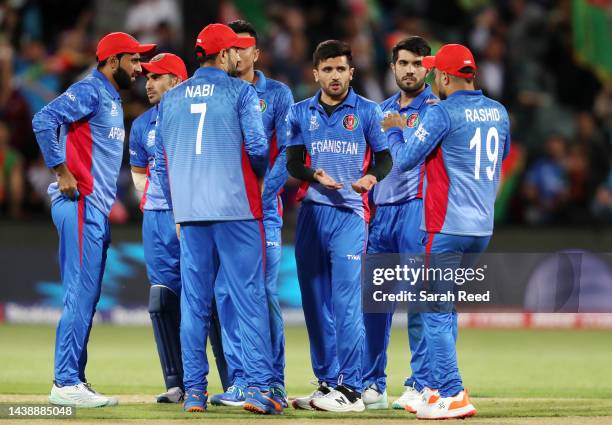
314	125
151	137
263	105
114	110
334	146
353	257
116	133
350	122
482	114
413	120
199	90
421	133
275	244
70	96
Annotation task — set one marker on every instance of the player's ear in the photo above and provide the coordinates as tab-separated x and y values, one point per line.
316	74
351	71
113	60
256	57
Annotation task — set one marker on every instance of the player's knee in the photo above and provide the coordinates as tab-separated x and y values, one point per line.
163	299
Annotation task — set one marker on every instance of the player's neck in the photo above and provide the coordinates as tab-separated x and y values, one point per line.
249	76
108	73
406	98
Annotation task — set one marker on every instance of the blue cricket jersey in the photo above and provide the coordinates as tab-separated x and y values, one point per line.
341	144
142	154
464	140
275	99
402	186
89	119
210	148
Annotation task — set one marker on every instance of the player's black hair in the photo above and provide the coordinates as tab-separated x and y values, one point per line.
203	57
105	61
331	49
467	70
414	44
240	25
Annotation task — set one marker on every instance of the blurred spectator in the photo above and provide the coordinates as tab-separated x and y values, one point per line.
39	178
602	204
11	175
146	18
546	187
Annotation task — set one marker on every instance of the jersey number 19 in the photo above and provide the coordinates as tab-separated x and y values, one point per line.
476	142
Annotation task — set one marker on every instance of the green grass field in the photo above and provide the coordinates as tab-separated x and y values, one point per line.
510	373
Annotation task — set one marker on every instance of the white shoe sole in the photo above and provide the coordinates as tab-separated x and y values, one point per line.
58	401
379	405
351	408
231	403
463	412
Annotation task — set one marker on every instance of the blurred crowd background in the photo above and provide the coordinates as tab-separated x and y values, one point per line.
549	62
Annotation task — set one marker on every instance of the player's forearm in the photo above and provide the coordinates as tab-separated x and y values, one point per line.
383	162
296	166
405	155
277	177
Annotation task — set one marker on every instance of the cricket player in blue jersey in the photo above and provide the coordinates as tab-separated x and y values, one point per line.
463	140
331	140
396	229
161	245
211	149
81	135
275	98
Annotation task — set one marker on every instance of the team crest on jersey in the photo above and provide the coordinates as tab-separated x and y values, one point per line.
350	122
263	105
413	120
313	123
114	111
151	137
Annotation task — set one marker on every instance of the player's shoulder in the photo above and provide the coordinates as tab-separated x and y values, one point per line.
365	104
278	87
145	118
388	103
302	105
88	86
496	104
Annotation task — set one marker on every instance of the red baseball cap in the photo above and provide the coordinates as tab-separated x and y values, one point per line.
216	37
166	63
450	59
120	42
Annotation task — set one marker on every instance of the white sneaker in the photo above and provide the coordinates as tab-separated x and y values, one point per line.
77	396
409	397
373	399
304	402
455	407
173	395
336	401
112	401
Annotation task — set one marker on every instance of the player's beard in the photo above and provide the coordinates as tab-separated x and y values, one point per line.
410	89
442	94
337	95
122	78
232	69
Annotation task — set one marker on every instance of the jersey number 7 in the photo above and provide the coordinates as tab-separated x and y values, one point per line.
199	108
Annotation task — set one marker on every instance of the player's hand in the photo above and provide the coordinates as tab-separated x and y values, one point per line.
393	119
326	180
178	231
364	184
66	181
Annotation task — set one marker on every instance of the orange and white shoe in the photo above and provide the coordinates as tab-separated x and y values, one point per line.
455	407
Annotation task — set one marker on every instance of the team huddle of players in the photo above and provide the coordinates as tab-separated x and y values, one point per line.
210	159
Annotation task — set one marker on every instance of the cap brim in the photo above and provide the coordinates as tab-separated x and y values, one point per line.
429	62
244	42
153	68
144	48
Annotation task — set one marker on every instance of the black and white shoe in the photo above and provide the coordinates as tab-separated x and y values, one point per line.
340	399
173	395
